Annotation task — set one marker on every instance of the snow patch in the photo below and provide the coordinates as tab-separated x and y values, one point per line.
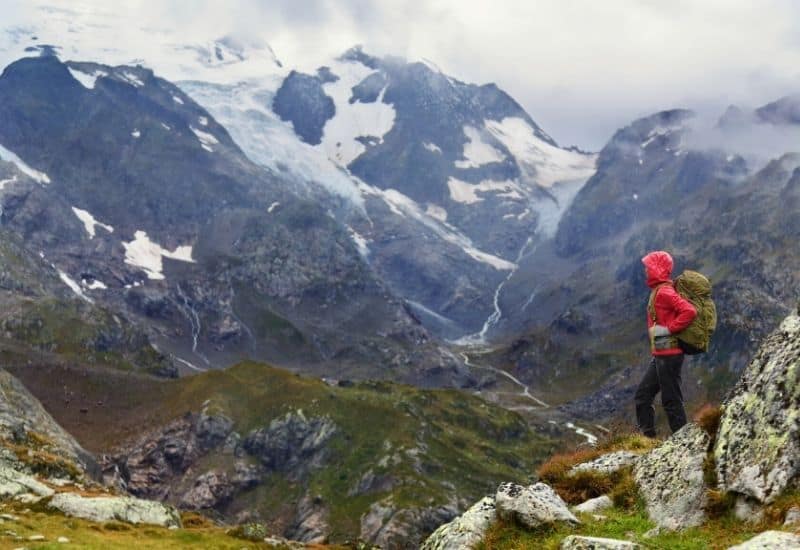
432	147
74	287
136	134
3	183
360	242
436	212
541	162
476	151
8	156
87	80
132	79
353	120
407	207
203	121
206	139
177	100
467	193
166	127
143	253
89	222
94	285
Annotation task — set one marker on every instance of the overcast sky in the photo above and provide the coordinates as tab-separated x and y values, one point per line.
581	68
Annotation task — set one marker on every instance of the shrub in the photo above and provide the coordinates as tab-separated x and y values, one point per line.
708	417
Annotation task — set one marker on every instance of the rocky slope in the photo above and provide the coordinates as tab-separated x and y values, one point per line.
310	461
732	479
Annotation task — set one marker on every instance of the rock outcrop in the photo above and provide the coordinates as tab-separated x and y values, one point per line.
594	505
770	540
670	479
466	531
293	444
22	417
757	452
608	463
389	526
127	509
575	542
532	506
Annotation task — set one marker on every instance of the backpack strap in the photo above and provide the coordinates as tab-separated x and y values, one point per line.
651	302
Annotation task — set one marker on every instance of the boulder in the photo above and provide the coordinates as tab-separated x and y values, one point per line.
608	463
127	509
466	531
670	479
757	452
594	505
575	542
532	506
15	484
770	540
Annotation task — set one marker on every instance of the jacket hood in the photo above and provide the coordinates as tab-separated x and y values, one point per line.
659	268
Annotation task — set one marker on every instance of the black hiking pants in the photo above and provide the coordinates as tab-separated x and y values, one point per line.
663	375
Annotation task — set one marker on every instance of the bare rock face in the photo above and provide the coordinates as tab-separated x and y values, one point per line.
608	463
466	531
391	528
670	479
532	506
210	490
311	521
574	542
770	540
757	451
293	444
150	467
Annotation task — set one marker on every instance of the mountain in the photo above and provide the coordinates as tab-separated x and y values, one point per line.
145	204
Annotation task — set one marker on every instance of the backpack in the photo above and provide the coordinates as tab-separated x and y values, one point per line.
696	288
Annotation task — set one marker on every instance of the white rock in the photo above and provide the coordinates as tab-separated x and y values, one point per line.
36	538
575	542
14	484
770	540
594	505
127	509
63	540
792	517
748	510
466	531
608	463
531	506
670	479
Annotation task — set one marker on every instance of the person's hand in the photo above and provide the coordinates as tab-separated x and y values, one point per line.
660	330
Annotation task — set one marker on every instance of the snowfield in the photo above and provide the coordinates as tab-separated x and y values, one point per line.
143	253
35	175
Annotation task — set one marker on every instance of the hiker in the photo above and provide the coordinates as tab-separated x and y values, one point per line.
668	314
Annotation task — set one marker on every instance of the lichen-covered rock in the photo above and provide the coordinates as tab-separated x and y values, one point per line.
748	510
466	531
575	542
757	451
532	506
770	540
14	483
608	463
670	479
594	505
127	509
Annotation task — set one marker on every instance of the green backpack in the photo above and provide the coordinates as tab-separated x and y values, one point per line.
696	288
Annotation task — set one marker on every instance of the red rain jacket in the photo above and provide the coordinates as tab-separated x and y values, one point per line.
672	310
